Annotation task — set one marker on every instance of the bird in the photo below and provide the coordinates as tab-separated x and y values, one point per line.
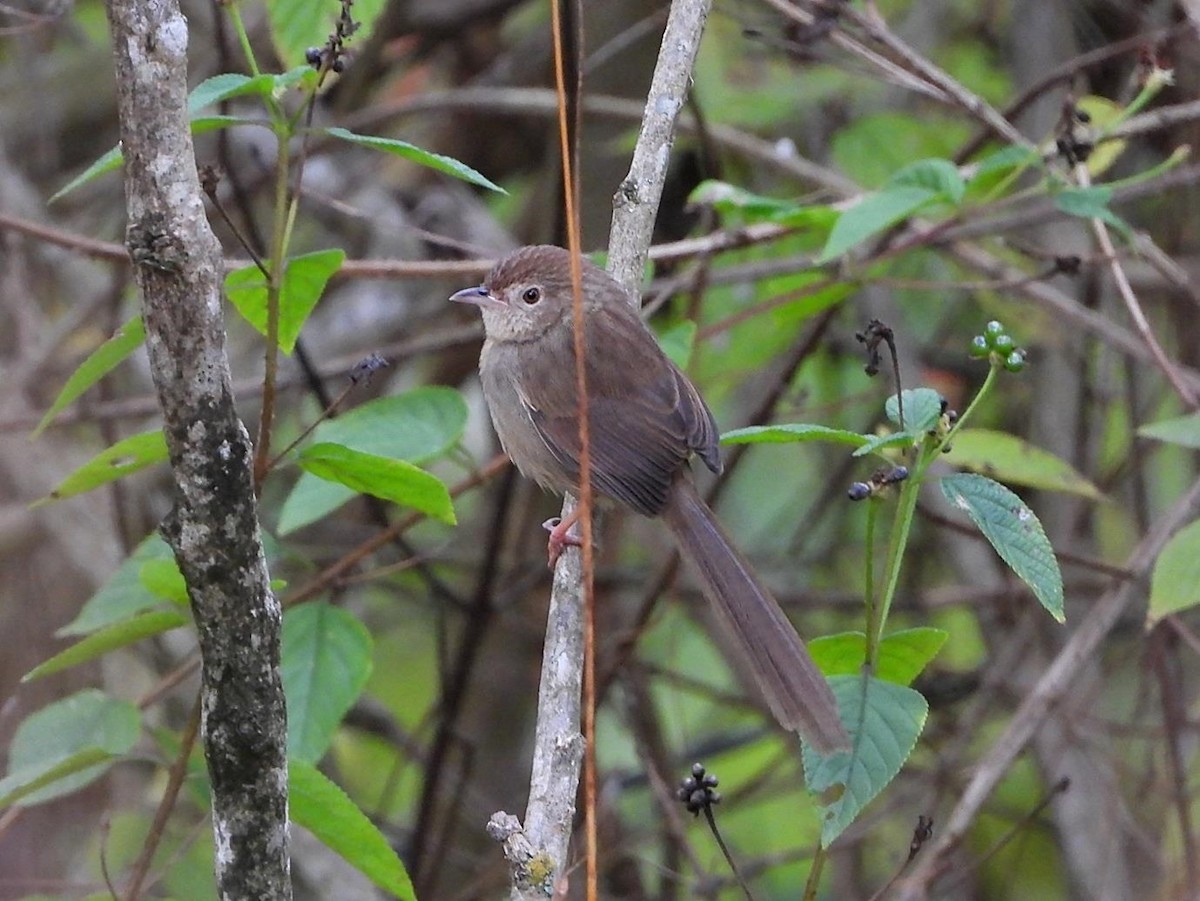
646	422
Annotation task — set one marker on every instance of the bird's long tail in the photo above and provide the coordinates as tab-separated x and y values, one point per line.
797	693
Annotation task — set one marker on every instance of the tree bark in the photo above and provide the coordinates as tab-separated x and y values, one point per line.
213	527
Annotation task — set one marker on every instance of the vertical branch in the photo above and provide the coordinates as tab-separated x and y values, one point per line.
538	850
635	205
213	527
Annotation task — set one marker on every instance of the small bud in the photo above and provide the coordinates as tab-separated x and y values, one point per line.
991	331
1015	361
858	491
1004	344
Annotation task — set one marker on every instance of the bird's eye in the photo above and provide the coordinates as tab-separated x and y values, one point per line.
531	295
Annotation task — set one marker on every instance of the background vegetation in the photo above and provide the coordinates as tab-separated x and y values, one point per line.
945	164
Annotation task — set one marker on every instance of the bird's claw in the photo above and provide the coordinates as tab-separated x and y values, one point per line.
562	536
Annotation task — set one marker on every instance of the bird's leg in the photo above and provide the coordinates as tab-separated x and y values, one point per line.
563	534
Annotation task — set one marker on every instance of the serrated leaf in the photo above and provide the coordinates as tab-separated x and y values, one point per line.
1175	582
416	426
444	164
123	594
99	363
922	407
677	342
391	480
873	214
99	643
884	720
1014	531
1015	461
126	456
902	655
1183	430
326	660
939	176
788	433
326	811
304	280
66	745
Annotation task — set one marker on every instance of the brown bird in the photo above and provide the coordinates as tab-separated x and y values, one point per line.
646	420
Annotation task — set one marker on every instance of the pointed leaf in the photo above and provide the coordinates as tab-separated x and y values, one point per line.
227	86
324	809
445	164
416	426
884	721
1175	582
1183	430
99	643
873	214
787	433
108	162
382	477
902	655
325	665
66	745
123	594
1015	461
126	456
936	175
99	363
163	579
296	25
677	342
1014	531
304	281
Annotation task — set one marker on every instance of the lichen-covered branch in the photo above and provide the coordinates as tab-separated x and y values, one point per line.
213	527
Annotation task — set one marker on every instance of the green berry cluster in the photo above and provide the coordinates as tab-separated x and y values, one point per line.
999	347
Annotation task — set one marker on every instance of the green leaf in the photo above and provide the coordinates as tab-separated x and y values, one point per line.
226	86
163	579
1183	430
902	655
416	426
99	643
922	407
788	433
873	214
877	443
884	721
1087	203
1015	461
1014	531
677	342
323	809
304	280
732	200
66	745
126	456
99	363
326	660
940	177
392	480
108	162
297	25
1005	160
1175	582
123	594
445	164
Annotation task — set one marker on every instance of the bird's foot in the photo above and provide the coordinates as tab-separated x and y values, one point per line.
563	534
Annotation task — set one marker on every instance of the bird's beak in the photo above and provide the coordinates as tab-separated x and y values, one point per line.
481	297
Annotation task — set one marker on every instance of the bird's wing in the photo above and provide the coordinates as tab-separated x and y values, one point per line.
646	418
